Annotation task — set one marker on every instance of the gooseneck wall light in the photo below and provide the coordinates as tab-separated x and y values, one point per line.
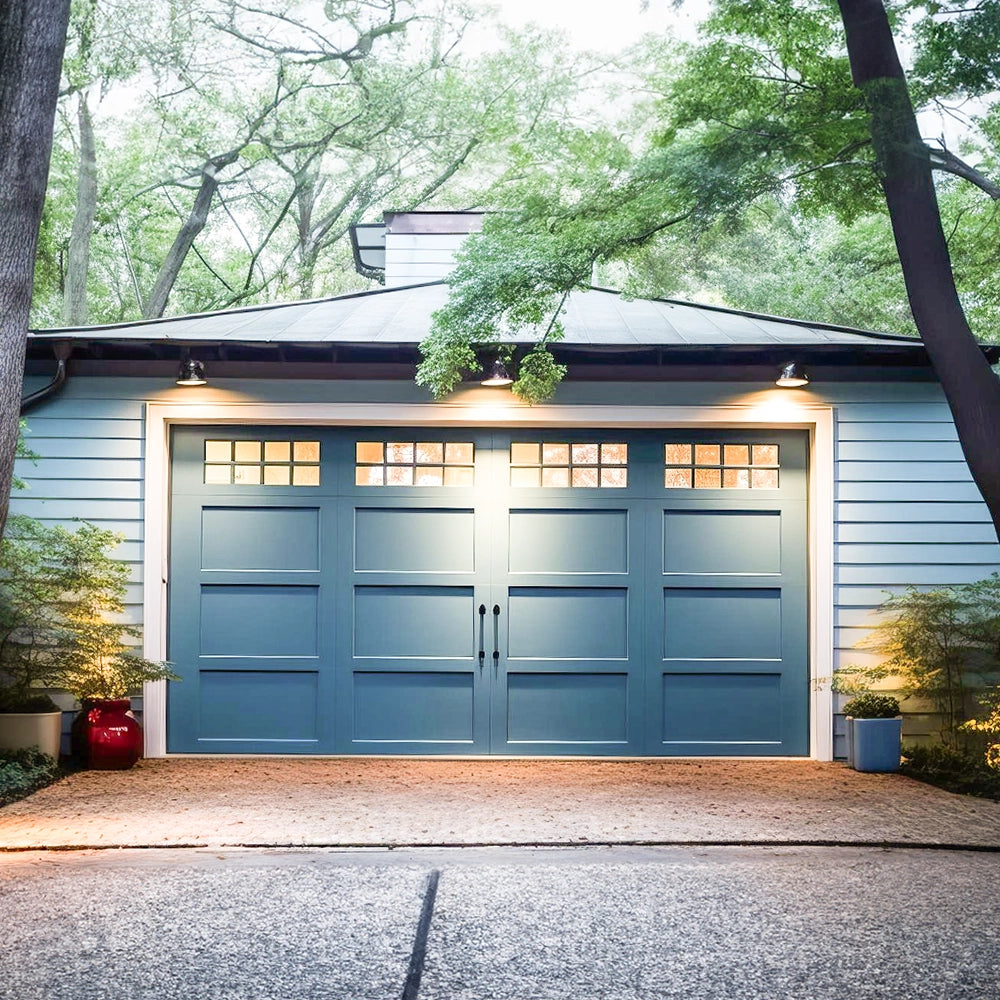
192	373
791	376
497	374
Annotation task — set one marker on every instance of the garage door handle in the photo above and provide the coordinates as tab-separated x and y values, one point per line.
482	636
496	637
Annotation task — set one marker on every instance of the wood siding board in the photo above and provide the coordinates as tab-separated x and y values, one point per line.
875	532
57	428
83	489
928	512
81	468
908	491
902	472
917	431
918	553
900	451
911	574
893	412
84	445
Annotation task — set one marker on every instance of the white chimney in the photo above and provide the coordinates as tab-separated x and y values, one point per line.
419	246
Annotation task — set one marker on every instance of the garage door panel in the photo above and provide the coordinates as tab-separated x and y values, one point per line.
722	623
253	620
259	705
260	538
730	707
400	706
567	623
569	541
414	540
567	707
631	615
722	541
413	621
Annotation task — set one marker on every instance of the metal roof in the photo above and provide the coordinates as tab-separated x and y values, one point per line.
597	318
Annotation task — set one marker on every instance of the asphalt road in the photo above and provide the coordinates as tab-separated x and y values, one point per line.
512	923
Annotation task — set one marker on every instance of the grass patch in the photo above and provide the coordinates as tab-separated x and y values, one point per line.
963	771
23	772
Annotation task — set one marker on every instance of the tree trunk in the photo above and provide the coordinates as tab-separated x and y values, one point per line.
904	163
32	39
75	296
193	225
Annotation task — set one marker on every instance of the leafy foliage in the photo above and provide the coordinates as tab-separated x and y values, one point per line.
23	772
872	706
956	769
60	593
935	644
749	180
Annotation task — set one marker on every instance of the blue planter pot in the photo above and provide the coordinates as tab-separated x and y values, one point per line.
874	744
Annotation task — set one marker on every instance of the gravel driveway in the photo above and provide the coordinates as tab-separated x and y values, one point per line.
280	801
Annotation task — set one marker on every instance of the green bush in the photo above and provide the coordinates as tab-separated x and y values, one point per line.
942	645
872	706
957	770
23	772
61	601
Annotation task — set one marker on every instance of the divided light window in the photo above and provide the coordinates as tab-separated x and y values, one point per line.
721	466
586	464
262	463
414	463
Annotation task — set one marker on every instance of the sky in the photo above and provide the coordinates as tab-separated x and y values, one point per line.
603	26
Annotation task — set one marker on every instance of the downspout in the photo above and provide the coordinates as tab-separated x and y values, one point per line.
62	350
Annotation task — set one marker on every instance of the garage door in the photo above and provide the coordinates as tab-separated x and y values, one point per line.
533	592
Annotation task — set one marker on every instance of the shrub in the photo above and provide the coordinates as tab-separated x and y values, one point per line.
958	770
989	727
938	644
60	595
23	772
872	706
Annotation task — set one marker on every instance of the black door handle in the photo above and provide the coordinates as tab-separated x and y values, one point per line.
482	635
496	637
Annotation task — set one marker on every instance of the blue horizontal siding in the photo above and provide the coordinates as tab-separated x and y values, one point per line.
870	512
917	431
917	553
877	450
96	447
874	532
902	472
903	491
60	428
81	489
916	574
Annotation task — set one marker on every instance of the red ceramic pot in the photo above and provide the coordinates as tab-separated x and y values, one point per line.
106	735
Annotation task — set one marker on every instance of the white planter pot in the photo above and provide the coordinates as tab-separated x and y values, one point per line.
20	730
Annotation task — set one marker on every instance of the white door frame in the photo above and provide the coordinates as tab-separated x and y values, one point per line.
790	413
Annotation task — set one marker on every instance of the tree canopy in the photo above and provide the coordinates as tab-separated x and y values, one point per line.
755	145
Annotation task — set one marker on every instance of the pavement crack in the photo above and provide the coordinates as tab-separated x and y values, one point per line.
412	985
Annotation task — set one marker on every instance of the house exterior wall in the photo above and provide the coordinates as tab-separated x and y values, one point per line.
905	508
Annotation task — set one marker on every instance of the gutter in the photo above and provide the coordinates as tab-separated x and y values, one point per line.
62	350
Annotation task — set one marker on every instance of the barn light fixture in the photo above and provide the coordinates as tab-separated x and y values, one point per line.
192	373
791	376
497	374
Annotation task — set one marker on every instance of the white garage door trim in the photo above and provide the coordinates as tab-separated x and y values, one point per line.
817	419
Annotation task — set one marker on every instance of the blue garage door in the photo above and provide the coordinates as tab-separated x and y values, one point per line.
537	592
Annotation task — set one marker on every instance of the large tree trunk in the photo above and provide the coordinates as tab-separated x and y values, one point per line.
904	162
75	296
32	39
